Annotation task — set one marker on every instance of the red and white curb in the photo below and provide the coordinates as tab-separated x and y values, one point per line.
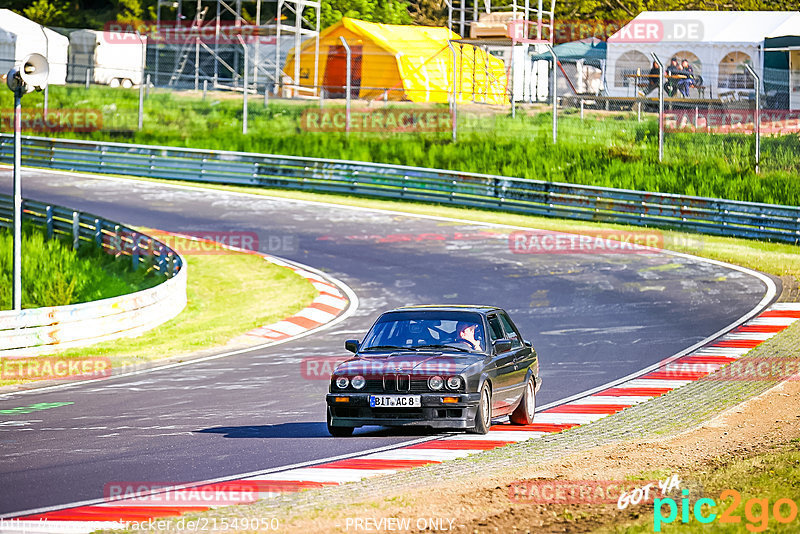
331	302
652	383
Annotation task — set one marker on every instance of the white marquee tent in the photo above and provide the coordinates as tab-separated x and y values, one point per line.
20	36
717	44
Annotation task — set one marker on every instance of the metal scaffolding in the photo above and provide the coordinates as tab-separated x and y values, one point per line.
210	47
460	13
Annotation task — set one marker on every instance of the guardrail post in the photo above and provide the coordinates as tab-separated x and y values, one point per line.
98	233
49	222
76	230
117	245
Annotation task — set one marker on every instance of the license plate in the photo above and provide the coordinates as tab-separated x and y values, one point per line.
395	401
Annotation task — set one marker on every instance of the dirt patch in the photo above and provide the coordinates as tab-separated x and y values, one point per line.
477	504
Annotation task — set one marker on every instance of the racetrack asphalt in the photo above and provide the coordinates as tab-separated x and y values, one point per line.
593	318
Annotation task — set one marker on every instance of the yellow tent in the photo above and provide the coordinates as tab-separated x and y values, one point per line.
400	63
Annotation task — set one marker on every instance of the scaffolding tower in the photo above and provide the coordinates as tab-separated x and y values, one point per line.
461	13
210	47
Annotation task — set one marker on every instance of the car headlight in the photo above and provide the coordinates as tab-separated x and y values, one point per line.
454	382
358	382
342	382
435	383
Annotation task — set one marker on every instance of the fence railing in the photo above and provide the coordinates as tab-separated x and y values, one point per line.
698	214
41	330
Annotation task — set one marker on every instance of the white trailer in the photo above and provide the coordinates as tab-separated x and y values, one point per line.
111	58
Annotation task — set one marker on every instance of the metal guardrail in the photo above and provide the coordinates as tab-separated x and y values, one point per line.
41	330
588	203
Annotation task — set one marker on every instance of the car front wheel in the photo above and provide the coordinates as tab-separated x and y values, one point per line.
483	418
338	431
523	415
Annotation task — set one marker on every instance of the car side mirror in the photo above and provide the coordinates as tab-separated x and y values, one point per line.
351	345
528	344
502	345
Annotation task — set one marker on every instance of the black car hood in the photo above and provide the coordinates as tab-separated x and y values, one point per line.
409	362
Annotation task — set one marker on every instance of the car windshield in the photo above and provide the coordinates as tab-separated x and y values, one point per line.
460	331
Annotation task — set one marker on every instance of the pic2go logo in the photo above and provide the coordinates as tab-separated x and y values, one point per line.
756	511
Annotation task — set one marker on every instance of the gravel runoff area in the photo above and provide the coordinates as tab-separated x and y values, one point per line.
674	414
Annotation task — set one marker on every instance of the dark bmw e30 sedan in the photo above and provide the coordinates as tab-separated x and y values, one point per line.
446	367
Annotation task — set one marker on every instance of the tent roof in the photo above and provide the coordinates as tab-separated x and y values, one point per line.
790	27
721	26
15	24
590	49
394	38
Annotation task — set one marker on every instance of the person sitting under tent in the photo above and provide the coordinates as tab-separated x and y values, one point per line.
652	79
685	83
673	71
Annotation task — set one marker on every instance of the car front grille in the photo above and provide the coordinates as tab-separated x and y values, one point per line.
395	383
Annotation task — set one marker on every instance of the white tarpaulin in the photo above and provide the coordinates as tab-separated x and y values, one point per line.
717	45
20	37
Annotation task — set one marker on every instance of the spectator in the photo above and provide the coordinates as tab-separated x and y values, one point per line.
673	71
652	79
685	83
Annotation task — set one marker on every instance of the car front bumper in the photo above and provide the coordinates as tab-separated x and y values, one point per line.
434	412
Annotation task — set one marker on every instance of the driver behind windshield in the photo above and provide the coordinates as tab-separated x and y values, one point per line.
468	333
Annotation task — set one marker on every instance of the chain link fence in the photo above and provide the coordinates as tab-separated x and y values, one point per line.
408	104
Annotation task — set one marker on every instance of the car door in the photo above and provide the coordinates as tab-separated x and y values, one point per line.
503	386
521	357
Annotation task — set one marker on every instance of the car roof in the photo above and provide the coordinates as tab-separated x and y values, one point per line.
448	307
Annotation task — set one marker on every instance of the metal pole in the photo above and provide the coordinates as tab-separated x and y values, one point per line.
454	102
47	87
555	95
205	88
244	92
512	80
348	83
141	105
266	94
660	107
581	109
16	290
757	115
147	87
87	76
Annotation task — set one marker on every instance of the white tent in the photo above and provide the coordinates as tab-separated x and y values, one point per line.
717	44
20	36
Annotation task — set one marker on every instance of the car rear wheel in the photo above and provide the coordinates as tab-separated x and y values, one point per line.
338	431
483	418
523	415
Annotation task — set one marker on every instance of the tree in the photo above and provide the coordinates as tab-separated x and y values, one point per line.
51	12
384	11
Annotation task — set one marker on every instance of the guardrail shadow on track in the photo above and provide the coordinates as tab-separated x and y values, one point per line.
41	330
535	197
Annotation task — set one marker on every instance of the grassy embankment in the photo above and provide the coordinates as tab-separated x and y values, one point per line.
228	294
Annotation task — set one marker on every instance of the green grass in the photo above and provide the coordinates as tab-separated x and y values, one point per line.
228	294
612	150
55	275
766	476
